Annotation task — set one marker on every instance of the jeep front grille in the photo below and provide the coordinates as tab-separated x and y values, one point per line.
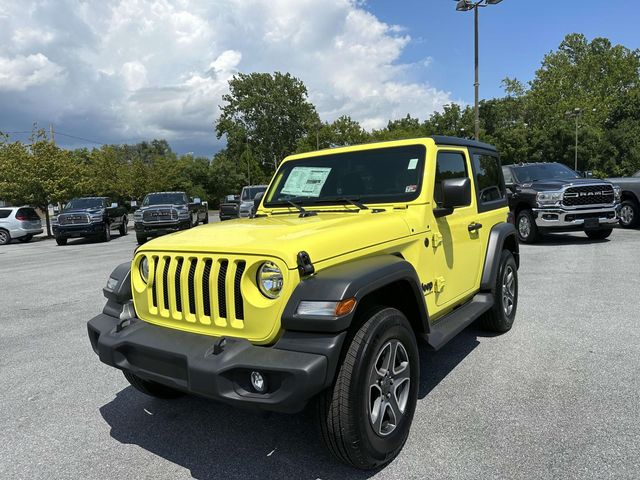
588	195
73	219
159	215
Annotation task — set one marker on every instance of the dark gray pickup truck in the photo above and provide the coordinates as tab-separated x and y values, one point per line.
89	217
630	196
166	212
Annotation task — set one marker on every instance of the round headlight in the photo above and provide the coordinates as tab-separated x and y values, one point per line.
144	269
270	280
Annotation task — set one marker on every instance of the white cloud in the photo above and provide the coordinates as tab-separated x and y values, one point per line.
136	69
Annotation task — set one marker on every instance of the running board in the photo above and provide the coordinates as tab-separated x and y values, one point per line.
456	321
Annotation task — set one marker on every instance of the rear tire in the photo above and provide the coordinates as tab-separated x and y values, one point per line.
599	234
526	227
61	241
25	239
5	237
124	228
366	416
629	214
141	239
501	316
151	388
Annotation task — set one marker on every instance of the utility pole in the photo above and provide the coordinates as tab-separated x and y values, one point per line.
52	136
576	152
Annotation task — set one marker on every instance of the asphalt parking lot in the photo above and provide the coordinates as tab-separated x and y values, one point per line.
557	397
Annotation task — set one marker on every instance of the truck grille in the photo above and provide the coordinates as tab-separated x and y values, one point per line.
159	215
198	290
588	195
73	219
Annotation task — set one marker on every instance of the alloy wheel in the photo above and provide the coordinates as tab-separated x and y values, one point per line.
508	290
626	214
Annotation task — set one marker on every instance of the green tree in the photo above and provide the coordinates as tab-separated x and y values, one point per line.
225	178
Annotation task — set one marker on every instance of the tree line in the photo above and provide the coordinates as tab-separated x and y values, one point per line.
266	117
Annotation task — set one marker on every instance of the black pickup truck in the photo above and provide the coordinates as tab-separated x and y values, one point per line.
89	217
166	212
550	197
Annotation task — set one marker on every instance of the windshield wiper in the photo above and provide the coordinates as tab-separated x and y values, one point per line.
303	212
353	201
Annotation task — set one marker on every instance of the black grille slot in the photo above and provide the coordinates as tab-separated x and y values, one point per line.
206	274
237	291
178	293
222	298
192	286
154	292
165	282
588	195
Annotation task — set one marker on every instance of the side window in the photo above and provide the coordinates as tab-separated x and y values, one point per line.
508	176
448	165
488	178
5	213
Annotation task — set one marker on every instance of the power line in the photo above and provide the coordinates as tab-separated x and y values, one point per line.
79	138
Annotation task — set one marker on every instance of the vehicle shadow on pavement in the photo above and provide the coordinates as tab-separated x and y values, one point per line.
215	441
560	239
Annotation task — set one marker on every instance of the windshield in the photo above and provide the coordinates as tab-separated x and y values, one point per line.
83	203
249	193
164	199
392	174
543	171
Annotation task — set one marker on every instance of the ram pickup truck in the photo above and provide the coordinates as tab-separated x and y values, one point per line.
550	197
229	207
89	217
630	199
166	212
353	255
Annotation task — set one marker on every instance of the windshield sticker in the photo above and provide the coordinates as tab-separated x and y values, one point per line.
306	181
411	189
413	163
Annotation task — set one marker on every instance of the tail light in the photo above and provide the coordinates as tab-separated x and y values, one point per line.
21	217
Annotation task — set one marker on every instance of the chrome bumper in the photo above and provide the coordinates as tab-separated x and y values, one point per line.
559	217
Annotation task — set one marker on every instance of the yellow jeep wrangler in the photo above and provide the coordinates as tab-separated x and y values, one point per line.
351	256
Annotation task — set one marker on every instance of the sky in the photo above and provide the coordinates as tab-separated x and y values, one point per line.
123	71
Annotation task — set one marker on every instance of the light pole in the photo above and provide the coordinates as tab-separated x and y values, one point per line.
465	6
576	113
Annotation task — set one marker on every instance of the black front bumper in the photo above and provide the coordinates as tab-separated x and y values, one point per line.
77	231
161	228
296	368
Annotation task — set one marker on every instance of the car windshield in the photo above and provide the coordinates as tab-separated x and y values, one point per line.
249	193
82	203
164	199
543	171
381	175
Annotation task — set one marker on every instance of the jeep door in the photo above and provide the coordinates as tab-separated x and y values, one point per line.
455	251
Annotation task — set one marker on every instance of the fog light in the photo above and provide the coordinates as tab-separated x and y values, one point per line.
258	382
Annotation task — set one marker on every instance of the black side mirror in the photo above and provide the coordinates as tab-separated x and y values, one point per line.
511	187
456	192
256	202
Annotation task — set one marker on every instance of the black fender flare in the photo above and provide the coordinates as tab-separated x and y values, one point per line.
501	234
354	279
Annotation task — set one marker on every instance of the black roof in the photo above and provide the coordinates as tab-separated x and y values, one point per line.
461	142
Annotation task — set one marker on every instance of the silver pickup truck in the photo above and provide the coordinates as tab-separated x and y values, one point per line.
630	196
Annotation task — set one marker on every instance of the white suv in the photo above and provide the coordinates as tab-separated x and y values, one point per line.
21	223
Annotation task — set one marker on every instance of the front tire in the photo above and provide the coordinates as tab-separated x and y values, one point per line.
106	234
124	227
526	226
505	292
61	241
148	387
629	214
141	238
206	218
599	234
366	416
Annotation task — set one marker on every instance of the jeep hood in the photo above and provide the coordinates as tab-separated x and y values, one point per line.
323	236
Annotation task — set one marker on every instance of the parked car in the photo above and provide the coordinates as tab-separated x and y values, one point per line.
630	199
89	217
20	223
229	207
166	212
353	255
551	197
247	196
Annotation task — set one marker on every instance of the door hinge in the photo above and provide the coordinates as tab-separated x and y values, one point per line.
436	240
438	285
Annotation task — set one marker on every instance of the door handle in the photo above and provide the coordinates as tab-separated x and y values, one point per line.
473	227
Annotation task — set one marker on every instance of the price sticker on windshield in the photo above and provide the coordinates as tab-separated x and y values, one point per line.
306	181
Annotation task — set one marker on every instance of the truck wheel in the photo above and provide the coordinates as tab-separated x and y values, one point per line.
106	234
5	237
629	214
151	388
599	234
526	226
124	228
500	317
365	417
206	218
141	238
61	241
26	238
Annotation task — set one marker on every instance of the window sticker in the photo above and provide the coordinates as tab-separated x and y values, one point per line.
306	181
410	189
413	163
